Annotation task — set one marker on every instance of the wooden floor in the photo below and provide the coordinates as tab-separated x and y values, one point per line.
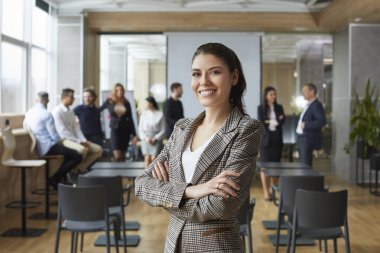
364	225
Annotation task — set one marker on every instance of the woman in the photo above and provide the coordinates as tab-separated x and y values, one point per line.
273	117
151	130
203	174
121	124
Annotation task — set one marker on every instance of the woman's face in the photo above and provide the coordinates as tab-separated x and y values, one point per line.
148	105
119	91
271	96
211	80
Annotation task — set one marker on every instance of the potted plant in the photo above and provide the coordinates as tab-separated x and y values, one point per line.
365	122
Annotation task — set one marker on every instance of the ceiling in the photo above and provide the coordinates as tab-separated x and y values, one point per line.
275	47
140	47
78	6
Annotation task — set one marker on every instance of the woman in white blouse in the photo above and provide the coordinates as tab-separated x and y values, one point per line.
272	115
151	130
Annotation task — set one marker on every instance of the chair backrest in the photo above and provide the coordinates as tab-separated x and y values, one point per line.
290	184
113	187
82	203
9	144
321	209
243	215
33	139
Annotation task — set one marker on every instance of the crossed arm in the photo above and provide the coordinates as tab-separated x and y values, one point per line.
218	198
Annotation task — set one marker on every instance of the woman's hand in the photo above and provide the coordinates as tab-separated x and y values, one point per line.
161	171
221	185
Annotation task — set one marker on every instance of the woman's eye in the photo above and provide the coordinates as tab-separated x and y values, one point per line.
195	74
214	72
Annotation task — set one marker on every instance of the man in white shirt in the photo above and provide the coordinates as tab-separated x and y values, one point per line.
70	132
41	123
310	124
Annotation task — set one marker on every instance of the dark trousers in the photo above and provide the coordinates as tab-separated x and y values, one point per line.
97	139
71	159
305	150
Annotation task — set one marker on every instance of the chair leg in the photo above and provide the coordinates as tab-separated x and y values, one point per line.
279	222
72	242
250	243
124	232
289	240
320	245
326	248
294	239
76	242
57	237
81	242
347	240
116	237
242	237
335	246
108	239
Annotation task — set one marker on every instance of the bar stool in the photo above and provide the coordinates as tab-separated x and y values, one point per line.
47	215
9	145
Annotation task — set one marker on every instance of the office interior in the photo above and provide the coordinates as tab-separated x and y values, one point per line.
48	45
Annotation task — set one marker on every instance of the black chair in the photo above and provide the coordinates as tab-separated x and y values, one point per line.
84	209
114	196
374	166
245	218
320	215
288	187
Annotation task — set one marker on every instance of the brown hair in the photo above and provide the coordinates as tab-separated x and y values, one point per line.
113	94
233	63
91	91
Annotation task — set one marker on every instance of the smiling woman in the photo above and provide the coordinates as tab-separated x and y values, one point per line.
203	174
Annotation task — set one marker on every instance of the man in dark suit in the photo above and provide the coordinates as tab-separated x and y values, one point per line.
310	124
173	110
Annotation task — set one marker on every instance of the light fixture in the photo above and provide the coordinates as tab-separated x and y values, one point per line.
357	19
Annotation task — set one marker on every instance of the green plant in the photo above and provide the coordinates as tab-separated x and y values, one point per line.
365	119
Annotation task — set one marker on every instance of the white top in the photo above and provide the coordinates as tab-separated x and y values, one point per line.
272	119
41	123
299	130
67	126
190	158
152	122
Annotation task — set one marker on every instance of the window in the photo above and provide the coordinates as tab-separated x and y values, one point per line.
12	80
13	18
25	39
40	27
39	71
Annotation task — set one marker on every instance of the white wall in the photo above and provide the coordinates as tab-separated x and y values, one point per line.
181	47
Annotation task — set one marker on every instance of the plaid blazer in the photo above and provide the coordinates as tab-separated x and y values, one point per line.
208	224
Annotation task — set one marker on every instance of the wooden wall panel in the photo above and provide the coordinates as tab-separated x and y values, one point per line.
199	21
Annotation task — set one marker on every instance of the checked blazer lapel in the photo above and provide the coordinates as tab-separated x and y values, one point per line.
218	144
187	131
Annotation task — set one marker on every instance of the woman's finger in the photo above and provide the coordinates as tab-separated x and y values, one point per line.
230	182
158	172
229	173
162	171
228	190
222	194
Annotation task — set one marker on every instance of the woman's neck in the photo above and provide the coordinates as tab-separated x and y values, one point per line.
215	116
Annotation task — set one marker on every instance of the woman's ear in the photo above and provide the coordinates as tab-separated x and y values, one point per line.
235	77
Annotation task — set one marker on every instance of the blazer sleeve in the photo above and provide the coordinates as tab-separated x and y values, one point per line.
160	193
318	120
280	112
242	159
